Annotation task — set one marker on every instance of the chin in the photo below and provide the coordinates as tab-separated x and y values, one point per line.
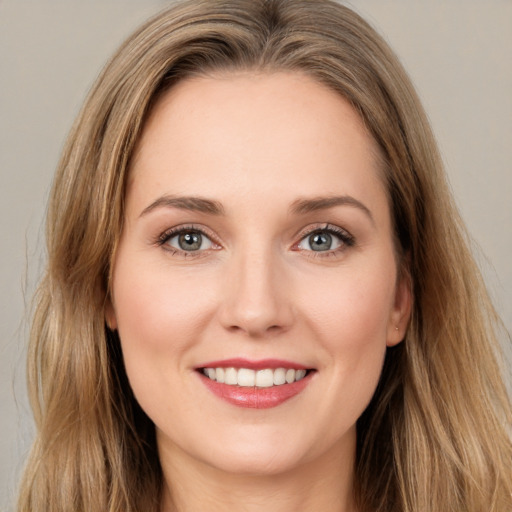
260	451
259	461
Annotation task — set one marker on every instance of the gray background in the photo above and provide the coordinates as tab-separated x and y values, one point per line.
458	52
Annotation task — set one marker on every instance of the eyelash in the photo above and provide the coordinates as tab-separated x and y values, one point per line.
347	240
171	233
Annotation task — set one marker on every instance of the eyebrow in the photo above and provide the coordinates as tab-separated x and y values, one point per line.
190	203
303	206
298	207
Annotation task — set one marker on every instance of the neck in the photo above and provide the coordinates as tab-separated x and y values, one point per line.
324	484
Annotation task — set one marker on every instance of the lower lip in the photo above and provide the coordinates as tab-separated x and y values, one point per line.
256	398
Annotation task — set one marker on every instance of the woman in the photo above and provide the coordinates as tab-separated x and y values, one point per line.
259	292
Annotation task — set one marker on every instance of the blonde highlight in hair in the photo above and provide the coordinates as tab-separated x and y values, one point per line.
436	436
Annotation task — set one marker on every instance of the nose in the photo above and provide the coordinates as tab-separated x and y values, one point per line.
256	298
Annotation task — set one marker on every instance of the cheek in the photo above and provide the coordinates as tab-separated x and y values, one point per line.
350	320
158	311
352	309
160	316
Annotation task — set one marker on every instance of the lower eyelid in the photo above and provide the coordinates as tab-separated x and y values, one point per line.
163	239
203	236
345	238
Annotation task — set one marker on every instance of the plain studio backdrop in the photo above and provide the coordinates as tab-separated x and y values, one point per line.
458	53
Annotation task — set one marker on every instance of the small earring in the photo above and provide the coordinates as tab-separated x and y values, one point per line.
396	328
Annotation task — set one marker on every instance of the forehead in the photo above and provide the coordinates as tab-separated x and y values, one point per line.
234	134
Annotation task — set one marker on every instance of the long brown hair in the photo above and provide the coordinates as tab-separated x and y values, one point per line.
436	436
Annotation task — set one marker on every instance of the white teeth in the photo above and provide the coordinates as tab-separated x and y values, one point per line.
264	378
246	377
279	376
231	377
300	374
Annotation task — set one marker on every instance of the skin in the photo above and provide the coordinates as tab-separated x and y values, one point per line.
256	144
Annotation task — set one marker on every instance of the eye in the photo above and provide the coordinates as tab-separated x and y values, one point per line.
325	240
187	240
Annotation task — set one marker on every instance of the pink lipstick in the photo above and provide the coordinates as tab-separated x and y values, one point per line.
258	384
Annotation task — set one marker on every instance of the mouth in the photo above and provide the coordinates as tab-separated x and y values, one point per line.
249	378
257	385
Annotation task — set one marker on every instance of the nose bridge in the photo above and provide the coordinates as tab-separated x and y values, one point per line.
256	301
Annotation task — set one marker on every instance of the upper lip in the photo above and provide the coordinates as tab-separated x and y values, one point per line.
260	364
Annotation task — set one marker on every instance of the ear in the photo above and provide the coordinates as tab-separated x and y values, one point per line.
401	312
110	314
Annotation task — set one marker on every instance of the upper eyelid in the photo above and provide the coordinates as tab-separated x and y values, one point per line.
298	237
324	226
176	230
346	238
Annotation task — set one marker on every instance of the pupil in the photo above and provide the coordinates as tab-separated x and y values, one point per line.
190	241
320	241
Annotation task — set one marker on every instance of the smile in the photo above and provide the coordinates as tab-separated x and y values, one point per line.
255	384
247	377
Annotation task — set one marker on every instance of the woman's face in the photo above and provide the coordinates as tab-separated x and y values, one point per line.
257	247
